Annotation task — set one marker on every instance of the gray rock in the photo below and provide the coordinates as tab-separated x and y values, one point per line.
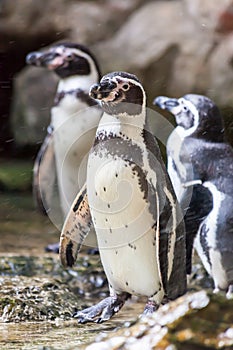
220	71
34	92
172	46
190	322
85	21
158	43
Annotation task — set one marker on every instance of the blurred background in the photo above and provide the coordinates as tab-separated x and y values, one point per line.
173	46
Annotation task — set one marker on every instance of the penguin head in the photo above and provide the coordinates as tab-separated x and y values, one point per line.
120	94
196	115
66	60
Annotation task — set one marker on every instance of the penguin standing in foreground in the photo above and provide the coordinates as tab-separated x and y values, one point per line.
130	200
203	163
63	155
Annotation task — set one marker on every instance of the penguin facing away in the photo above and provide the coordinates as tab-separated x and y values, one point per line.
209	217
63	155
130	200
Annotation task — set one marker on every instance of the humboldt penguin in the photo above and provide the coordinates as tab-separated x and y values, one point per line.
130	200
203	163
74	119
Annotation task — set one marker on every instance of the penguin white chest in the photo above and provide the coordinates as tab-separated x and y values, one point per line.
206	240
124	224
74	131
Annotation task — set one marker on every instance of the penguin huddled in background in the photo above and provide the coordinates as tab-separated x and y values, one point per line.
201	161
131	202
63	155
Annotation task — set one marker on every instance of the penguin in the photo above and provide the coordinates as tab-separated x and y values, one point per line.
130	200
203	164
63	155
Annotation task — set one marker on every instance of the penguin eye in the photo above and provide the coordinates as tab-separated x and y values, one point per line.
69	57
185	108
125	87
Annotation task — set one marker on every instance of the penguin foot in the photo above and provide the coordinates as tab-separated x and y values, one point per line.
52	248
151	306
93	251
102	311
229	294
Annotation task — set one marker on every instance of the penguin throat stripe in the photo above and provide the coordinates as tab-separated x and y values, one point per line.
79	94
195	113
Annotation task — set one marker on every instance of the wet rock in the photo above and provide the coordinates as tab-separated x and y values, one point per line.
195	321
39	289
34	299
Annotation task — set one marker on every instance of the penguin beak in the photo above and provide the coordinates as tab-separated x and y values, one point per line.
34	58
169	104
102	90
51	59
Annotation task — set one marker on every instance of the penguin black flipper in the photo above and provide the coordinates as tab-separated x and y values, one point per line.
76	227
171	227
200	205
44	175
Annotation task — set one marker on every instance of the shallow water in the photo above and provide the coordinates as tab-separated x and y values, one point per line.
23	236
62	334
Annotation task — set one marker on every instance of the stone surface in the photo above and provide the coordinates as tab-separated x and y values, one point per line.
173	46
195	321
84	21
33	98
37	288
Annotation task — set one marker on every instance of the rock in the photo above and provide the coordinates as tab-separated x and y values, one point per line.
145	45
37	288
157	43
26	26
85	21
205	13
220	72
173	46
33	97
225	20
195	321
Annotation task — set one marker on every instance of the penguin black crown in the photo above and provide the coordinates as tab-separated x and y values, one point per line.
130	200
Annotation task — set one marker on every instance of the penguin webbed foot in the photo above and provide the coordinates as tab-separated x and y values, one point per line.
93	251
102	311
150	308
52	248
229	293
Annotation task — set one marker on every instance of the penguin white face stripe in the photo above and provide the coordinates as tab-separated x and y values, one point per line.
182	131
69	52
